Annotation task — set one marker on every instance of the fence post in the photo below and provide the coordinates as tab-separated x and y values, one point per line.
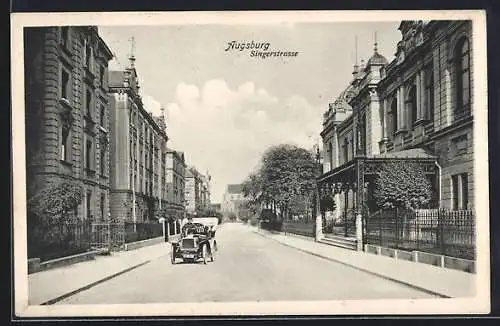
441	230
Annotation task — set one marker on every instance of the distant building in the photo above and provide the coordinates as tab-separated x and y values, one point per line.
139	150
176	183
197	190
67	112
232	198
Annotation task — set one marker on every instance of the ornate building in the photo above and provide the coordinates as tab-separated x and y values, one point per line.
176	180
139	149
415	108
67	112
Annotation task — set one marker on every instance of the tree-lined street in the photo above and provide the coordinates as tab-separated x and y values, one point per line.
248	267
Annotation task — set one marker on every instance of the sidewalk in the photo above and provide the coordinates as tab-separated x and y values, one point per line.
435	280
53	284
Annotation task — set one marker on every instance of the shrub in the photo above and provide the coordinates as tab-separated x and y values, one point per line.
402	184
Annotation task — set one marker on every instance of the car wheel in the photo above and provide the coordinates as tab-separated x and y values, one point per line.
204	254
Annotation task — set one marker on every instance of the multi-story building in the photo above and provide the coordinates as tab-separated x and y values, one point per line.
197	191
416	108
138	151
205	190
67	112
232	198
176	180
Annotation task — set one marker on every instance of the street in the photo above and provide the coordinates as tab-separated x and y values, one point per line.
248	267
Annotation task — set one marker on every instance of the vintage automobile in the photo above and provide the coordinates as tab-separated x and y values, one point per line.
197	242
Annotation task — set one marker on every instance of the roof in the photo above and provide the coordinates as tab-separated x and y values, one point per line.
235	188
377	59
407	153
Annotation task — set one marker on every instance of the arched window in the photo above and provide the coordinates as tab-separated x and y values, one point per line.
362	135
393	116
412	105
429	91
330	155
462	81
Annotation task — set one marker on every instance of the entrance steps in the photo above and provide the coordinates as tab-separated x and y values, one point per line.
339	241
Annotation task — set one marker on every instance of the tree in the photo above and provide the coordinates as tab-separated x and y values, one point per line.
402	184
232	217
48	211
56	201
286	174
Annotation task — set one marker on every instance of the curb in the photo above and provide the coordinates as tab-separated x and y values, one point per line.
92	284
416	287
88	286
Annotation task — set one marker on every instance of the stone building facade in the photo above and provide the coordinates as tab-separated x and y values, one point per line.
197	190
416	107
176	183
67	112
232	198
138	152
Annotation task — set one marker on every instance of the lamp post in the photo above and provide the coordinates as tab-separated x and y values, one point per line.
318	225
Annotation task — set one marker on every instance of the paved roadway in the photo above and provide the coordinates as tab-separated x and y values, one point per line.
248	267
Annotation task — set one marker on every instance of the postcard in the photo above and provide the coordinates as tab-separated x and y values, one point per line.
249	163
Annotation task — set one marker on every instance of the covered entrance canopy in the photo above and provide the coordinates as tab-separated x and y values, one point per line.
358	174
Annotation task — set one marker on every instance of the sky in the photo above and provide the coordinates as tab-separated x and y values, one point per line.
225	108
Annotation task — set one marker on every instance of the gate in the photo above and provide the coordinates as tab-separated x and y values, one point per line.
110	236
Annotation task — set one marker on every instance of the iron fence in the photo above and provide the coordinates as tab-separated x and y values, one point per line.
51	241
450	233
108	235
138	231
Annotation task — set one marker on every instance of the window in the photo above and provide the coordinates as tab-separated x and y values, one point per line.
103	201
429	92
101	75
88	154
88	212
459	145
102	116
393	114
411	105
64	36
462	68
88	56
460	191
65	87
88	103
362	135
345	148
103	160
465	190
65	144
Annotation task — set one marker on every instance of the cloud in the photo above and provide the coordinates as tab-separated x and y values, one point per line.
225	130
